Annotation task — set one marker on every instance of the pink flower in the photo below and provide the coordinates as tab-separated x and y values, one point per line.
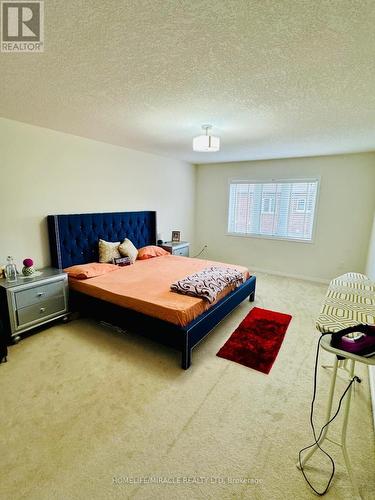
28	262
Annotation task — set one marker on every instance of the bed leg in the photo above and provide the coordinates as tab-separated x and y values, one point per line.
252	297
186	359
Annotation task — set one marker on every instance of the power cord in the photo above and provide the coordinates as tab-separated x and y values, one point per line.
316	439
200	253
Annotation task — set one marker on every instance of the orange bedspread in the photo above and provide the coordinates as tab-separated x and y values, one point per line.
144	287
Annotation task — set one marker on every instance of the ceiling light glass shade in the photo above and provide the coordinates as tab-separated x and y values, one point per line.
206	143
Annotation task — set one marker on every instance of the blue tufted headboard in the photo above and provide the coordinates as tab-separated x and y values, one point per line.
74	238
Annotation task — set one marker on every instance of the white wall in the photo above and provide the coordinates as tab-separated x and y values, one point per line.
370	272
370	268
344	218
45	172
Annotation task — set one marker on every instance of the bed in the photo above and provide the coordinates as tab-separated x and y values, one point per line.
74	240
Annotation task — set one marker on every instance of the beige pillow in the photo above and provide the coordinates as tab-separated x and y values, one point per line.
108	251
127	249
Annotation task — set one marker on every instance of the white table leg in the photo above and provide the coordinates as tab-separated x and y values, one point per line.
344	425
344	429
328	415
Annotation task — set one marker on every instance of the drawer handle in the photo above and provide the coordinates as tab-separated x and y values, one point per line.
42	309
39	294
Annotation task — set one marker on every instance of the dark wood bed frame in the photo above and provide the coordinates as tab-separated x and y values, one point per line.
74	240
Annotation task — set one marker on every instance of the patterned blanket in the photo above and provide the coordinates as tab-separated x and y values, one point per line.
207	284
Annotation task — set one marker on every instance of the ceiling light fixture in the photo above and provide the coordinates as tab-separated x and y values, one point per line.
206	143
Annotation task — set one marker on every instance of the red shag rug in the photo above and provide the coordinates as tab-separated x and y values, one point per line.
257	340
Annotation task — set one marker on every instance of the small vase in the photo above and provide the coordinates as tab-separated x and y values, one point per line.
10	270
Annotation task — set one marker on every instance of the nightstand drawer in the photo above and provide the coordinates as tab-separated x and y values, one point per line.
182	251
33	302
38	294
177	247
40	310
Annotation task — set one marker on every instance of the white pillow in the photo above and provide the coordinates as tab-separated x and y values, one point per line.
108	251
127	249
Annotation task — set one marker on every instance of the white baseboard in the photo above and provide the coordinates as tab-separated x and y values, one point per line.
294	276
371	370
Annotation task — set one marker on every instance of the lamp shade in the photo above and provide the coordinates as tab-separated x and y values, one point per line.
206	143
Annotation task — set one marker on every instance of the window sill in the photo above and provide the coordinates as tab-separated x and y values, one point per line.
265	237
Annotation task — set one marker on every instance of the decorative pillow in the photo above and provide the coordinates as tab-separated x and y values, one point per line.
108	251
151	251
85	271
127	249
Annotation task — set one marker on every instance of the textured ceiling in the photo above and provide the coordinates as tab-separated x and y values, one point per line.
276	78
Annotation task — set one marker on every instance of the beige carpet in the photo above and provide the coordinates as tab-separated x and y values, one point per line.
86	411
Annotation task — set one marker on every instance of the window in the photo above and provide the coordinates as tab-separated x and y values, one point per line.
268	205
277	209
301	205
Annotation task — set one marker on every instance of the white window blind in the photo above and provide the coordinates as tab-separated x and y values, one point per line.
278	209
